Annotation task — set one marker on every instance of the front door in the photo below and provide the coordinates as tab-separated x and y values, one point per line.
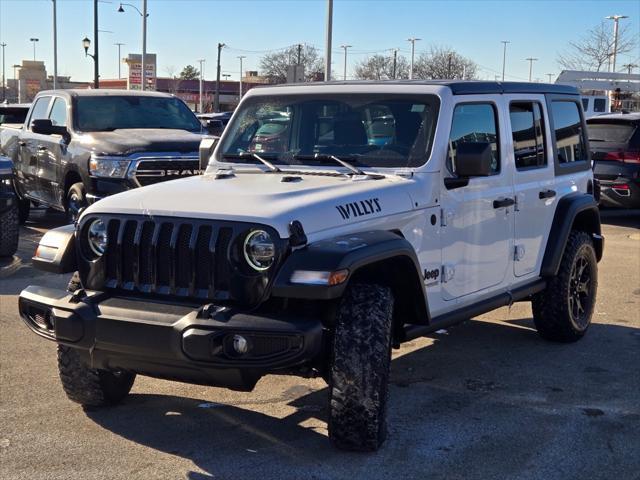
477	218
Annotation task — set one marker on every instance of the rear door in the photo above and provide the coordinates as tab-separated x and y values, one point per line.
533	179
52	152
28	144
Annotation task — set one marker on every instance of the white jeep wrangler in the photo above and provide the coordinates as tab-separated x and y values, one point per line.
334	222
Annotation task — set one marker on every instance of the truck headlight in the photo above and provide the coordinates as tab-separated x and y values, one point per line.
110	167
259	250
97	236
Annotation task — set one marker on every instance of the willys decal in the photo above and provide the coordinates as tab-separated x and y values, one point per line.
360	208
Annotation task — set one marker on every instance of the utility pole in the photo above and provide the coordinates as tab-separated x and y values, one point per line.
395	62
299	54
96	65
216	100
240	57
4	91
345	47
616	19
550	75
449	66
119	58
504	56
144	45
413	41
200	89
327	48
531	60
55	46
629	67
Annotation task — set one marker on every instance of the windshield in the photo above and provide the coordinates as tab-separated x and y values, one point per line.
110	112
369	130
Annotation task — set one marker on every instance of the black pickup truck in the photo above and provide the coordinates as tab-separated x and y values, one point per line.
77	146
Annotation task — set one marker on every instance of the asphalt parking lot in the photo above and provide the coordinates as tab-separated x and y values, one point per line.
486	399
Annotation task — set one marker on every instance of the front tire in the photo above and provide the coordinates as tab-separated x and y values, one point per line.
9	230
91	387
359	372
562	312
76	201
24	207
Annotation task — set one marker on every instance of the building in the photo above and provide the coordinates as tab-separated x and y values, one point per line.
30	77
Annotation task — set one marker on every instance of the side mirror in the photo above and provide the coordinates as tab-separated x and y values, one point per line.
44	126
207	145
214	127
473	159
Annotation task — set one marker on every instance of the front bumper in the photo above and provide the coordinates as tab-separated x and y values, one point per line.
180	342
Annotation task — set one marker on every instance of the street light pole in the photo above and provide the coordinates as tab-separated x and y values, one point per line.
144	16
4	94
504	56
96	65
200	86
345	47
119	58
531	60
34	40
328	40
550	75
240	57
616	19
413	41
216	99
55	46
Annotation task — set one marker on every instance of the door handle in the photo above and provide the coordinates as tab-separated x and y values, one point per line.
503	202
42	148
22	143
546	194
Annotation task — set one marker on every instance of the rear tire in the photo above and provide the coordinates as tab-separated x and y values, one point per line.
76	201
91	387
562	312
359	372
9	230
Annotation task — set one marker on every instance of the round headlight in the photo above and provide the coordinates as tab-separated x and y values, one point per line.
97	236
259	250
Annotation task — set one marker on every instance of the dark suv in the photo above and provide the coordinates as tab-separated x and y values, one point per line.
615	149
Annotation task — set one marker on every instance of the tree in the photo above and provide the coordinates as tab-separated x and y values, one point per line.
444	62
190	73
593	51
274	65
380	67
175	81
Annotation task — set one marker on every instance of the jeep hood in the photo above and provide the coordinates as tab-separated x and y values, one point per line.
319	202
126	141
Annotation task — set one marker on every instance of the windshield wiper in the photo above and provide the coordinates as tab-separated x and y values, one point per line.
269	165
324	156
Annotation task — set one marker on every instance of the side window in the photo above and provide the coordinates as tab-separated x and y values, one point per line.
599	105
473	123
585	104
568	132
528	135
58	113
39	109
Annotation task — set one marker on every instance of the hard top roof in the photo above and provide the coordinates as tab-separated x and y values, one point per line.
460	87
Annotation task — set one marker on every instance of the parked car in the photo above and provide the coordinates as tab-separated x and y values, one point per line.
319	256
78	146
9	226
13	113
215	122
615	149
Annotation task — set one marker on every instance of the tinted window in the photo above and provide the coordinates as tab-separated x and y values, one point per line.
610	132
528	135
585	104
568	132
371	130
474	123
58	113
40	109
107	113
599	105
13	114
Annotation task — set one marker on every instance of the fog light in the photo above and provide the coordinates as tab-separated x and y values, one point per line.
240	344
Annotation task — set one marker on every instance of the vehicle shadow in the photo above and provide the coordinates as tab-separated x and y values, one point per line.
620	217
473	391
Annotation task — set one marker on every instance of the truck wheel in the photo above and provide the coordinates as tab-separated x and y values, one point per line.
9	227
76	201
562	312
24	207
91	387
359	370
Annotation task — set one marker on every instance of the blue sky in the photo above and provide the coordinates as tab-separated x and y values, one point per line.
182	31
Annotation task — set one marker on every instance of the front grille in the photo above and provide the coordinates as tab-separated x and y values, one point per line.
169	257
152	170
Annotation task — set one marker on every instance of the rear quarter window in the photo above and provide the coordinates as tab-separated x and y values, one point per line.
569	136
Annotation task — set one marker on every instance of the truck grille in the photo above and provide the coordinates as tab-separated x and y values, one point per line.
154	170
169	257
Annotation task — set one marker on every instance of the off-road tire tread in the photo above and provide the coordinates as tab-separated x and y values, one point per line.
90	387
550	311
9	230
360	364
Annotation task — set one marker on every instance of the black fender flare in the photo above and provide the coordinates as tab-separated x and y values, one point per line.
381	256
576	210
